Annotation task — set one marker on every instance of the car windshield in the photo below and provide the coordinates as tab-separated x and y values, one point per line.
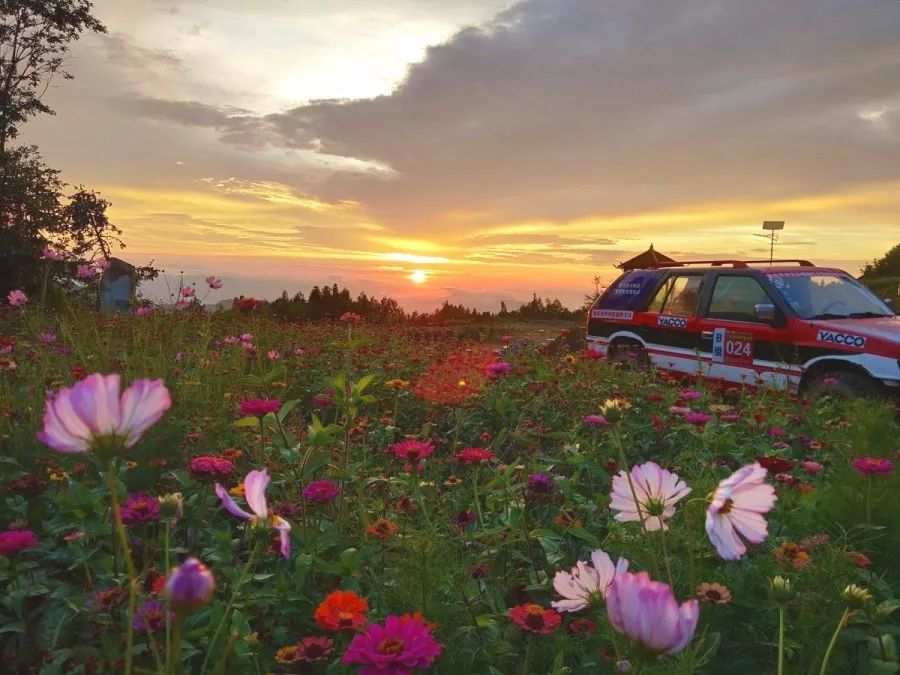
827	295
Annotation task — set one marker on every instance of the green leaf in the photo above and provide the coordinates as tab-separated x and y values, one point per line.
249	381
286	408
248	421
363	383
277	373
584	535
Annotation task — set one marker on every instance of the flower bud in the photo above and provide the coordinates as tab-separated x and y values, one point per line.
614	408
856	597
171	506
190	586
782	590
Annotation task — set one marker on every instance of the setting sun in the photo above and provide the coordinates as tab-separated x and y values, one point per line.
418	276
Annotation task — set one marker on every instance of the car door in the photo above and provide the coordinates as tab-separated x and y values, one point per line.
672	326
744	348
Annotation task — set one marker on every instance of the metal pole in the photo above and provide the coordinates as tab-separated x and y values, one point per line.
772	248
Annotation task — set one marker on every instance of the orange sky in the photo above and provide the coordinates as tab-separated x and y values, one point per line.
480	151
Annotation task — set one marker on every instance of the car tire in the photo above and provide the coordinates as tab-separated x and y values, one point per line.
843	383
631	354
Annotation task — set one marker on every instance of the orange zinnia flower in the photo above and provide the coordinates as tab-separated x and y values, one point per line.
382	529
342	610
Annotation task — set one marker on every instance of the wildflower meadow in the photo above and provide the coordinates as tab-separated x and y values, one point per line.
226	493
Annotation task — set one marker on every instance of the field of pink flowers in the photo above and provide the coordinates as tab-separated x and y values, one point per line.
187	493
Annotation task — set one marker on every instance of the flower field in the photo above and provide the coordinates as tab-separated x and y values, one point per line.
187	493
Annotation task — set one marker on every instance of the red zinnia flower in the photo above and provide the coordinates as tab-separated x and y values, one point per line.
474	455
535	619
774	464
342	610
870	466
258	407
412	450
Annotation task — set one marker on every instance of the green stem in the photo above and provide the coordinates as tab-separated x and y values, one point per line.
475	477
868	500
526	666
665	553
237	587
166	571
111	478
833	642
173	656
781	640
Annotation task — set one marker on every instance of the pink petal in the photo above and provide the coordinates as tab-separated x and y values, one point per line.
750	524
255	485
95	400
688	615
143	404
759	498
284	533
230	504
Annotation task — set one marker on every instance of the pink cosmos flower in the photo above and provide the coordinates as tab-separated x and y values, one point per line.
870	466
50	254
91	415
214	282
144	310
351	317
255	485
103	264
13	541
247	337
86	271
47	337
586	583
657	491
646	611
402	644
259	407
182	304
16	298
738	506
689	395
187	292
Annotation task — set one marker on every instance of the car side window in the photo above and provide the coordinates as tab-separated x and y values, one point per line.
679	295
735	299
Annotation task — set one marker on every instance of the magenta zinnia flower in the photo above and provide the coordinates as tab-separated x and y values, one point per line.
16	298
587	582
498	368
140	508
412	450
321	491
190	586
657	491
255	485
259	407
870	466
91	415
596	421
738	507
646	611
149	617
474	456
13	541
393	649
210	466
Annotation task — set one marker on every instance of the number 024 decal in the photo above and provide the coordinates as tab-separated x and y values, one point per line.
732	347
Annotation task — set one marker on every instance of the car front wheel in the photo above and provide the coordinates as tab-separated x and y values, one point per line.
842	382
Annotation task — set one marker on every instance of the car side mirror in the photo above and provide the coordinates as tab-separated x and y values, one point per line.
764	312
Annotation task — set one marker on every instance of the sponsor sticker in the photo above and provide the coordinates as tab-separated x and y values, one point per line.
844	339
619	314
731	346
671	321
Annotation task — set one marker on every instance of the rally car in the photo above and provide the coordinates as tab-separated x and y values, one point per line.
785	324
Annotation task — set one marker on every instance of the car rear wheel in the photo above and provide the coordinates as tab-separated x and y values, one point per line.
632	354
842	382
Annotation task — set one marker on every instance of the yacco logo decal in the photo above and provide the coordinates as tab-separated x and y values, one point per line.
620	314
834	338
671	322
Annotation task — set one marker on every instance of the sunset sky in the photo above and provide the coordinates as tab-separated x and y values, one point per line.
479	150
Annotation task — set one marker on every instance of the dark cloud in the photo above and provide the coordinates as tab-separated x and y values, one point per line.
563	108
122	52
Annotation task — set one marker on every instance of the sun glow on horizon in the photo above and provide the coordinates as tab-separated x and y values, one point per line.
418	276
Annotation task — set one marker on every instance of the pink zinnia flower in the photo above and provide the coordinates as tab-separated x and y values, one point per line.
657	491
497	369
738	506
13	541
812	467
214	282
586	583
870	466
49	254
255	485
16	298
596	421
351	317
140	508
207	466
321	491
646	611
689	395
412	450
273	355
144	310
259	407
47	337
91	415
396	648
698	419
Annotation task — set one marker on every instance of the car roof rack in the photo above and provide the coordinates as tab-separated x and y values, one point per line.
739	264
